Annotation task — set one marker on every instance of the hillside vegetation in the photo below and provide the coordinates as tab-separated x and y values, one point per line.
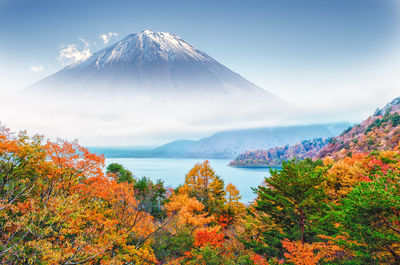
275	156
379	132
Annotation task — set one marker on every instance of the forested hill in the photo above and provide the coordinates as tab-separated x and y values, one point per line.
274	157
229	144
379	132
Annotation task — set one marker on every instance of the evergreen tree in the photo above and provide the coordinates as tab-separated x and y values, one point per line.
122	174
291	201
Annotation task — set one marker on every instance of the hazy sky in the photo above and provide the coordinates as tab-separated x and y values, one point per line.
336	57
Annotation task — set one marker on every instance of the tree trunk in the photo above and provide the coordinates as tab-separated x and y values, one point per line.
302	226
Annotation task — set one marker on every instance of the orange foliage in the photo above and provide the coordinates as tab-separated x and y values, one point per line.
233	206
349	171
187	210
208	237
202	182
310	254
344	175
224	220
200	176
62	209
258	260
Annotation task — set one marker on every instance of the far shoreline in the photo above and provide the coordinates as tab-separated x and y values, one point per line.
255	167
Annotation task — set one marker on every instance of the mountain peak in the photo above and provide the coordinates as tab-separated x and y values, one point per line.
144	47
147	31
152	33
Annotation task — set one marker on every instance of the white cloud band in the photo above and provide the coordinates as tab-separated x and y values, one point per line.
73	54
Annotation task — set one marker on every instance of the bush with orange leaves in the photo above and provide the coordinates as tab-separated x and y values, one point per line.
209	237
300	253
343	175
259	260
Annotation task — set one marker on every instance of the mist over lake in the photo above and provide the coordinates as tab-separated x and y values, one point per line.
173	170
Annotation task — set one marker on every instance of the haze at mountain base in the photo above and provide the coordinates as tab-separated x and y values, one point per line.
148	88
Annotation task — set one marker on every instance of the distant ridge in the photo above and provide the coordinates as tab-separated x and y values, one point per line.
228	144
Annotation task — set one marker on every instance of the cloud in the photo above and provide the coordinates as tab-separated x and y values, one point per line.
106	37
37	68
72	54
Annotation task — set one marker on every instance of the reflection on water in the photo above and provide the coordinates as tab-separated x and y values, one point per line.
172	171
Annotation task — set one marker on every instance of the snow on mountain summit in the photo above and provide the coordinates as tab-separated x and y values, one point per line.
146	46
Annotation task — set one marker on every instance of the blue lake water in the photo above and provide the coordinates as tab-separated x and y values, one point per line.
172	171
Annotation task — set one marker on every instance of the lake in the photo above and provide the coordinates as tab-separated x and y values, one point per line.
173	170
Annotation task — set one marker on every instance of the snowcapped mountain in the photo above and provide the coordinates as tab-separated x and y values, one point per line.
151	63
151	85
145	47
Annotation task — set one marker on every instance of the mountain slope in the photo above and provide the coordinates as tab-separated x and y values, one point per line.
150	63
381	131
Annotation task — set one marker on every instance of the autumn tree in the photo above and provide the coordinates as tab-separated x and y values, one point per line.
343	175
22	163
202	183
233	206
57	207
184	215
187	211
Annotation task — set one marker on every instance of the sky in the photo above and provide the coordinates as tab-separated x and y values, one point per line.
336	58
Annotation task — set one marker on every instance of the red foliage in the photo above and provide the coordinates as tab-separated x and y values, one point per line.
204	237
259	260
224	220
376	165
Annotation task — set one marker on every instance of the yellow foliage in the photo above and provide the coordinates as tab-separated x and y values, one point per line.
187	210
